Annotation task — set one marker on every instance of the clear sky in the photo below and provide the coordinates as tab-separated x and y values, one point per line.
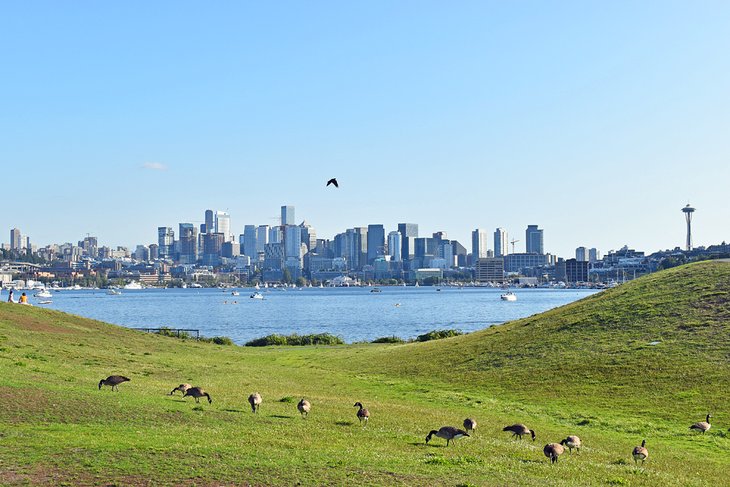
597	121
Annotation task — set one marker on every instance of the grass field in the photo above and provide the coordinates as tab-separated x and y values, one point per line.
584	369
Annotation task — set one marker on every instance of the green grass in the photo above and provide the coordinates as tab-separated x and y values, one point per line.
585	369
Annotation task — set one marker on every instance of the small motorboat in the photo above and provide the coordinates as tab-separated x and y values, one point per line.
114	292
45	302
43	294
508	296
234	293
375	290
257	295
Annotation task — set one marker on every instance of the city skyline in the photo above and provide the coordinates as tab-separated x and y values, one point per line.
595	121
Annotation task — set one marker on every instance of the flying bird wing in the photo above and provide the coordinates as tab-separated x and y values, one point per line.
333	181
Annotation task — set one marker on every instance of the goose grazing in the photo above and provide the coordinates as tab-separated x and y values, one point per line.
304	407
114	381
197	393
640	453
255	401
519	430
182	388
362	413
703	426
571	442
553	451
470	425
448	433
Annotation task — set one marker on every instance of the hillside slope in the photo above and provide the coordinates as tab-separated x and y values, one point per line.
661	342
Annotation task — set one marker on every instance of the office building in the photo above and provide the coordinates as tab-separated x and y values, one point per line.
165	240
287	215
209	225
490	269
223	225
408	232
376	242
188	243
275	235
479	244
16	239
249	241
581	254
501	242
534	240
262	238
576	270
394	246
594	255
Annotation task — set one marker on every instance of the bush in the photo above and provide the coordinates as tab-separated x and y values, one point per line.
391	339
438	334
218	340
295	339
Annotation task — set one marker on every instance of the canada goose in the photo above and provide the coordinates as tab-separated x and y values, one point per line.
197	393
255	401
553	451
182	388
114	381
571	442
304	407
640	453
448	433
470	425
519	430
703	426
362	414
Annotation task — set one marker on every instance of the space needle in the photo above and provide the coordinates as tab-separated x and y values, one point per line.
688	210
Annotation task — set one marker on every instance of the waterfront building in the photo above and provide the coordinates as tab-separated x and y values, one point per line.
534	240
479	244
576	270
490	269
501	242
519	262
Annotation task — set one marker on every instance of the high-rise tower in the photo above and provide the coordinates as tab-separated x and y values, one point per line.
688	210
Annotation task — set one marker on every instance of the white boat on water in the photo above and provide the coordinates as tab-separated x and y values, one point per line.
235	293
45	302
43	294
257	295
134	286
508	296
113	292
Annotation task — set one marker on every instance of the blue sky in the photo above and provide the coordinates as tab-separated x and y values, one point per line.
597	121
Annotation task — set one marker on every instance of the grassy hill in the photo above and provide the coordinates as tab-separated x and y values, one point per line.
587	368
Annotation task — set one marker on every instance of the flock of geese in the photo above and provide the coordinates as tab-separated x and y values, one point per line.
449	433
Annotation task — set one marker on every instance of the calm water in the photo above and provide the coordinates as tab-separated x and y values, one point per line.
353	313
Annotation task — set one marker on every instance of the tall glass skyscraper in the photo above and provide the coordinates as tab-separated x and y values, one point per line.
394	246
533	240
408	232
479	245
287	215
376	242
500	242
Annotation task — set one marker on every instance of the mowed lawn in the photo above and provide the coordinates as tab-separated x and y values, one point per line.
584	369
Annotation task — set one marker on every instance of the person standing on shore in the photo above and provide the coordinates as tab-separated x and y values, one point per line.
10	296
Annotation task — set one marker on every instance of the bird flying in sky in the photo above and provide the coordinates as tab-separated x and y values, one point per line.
333	181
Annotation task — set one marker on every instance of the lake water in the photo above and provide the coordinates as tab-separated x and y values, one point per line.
355	314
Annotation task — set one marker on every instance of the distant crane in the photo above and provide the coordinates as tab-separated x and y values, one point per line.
513	242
